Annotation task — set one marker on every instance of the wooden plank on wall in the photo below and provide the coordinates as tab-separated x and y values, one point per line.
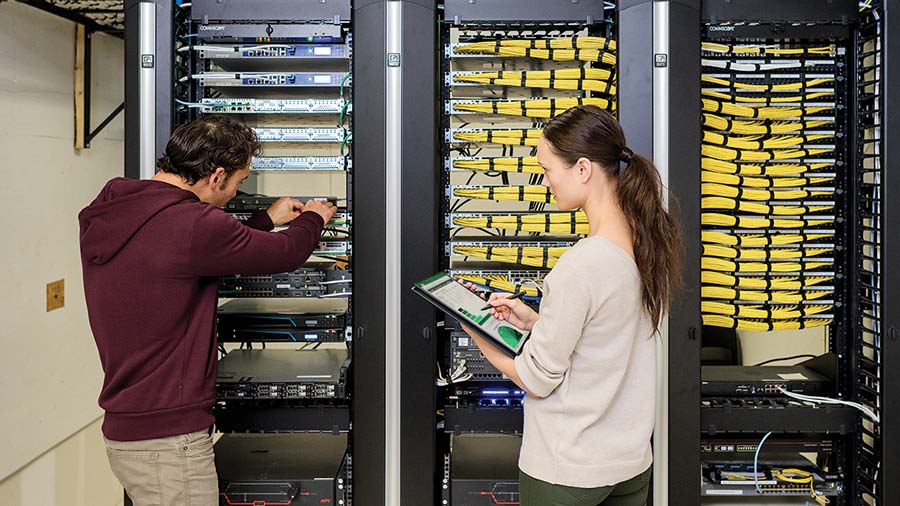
79	86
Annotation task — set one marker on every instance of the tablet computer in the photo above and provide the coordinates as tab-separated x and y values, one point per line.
459	302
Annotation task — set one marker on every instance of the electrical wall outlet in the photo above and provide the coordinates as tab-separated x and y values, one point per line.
56	294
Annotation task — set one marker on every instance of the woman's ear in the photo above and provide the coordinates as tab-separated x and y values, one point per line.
585	169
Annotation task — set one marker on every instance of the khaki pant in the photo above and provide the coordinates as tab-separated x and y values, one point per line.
169	471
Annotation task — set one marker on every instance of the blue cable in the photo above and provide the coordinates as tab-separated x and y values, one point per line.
756	462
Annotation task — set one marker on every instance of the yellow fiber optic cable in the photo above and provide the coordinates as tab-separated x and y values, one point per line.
779	297
762	326
708	176
768	99
722	265
502	283
515	137
578	73
513	255
760	127
757	208
763	312
776	239
759	142
591	49
557	223
533	108
745	169
729	154
799	85
757	283
523	193
604	87
714	250
763	50
752	222
717	107
715	189
527	164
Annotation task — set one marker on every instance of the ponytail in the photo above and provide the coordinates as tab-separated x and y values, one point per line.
592	133
657	244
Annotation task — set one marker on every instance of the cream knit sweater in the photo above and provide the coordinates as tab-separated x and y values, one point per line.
591	362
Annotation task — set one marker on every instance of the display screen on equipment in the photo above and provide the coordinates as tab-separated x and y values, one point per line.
450	296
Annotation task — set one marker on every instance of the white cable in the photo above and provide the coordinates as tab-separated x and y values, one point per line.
827	400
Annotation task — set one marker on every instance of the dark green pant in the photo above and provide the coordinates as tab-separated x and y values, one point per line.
633	492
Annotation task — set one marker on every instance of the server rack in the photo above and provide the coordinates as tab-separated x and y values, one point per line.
285	68
748	54
486	133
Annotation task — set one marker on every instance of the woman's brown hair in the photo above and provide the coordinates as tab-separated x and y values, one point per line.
592	133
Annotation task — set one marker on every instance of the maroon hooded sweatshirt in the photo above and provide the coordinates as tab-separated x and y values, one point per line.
151	256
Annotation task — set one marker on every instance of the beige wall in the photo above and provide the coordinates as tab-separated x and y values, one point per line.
51	375
74	473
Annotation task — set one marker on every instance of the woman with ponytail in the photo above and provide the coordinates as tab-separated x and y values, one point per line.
589	366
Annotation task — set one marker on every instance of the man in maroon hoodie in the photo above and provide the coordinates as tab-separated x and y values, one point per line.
152	252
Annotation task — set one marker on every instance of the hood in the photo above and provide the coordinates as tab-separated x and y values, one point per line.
120	210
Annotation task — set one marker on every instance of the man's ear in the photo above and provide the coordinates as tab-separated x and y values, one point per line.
217	177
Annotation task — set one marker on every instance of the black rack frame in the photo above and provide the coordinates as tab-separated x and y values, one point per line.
869	453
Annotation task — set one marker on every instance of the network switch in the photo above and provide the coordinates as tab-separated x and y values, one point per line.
282	374
274	106
299	79
270	51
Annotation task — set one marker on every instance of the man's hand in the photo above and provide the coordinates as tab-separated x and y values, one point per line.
284	210
324	208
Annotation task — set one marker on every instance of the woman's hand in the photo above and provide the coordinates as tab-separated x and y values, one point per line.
513	311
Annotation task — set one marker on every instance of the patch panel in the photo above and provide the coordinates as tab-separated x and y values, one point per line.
300	134
274	106
336	163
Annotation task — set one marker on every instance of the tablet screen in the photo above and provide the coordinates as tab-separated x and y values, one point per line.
466	307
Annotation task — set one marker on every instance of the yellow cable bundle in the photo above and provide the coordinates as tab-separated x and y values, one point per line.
761	253
589	49
557	223
757	208
717	107
749	222
746	169
748	282
780	297
715	189
502	283
777	239
708	176
762	326
527	164
763	50
759	142
722	265
800	85
514	137
605	87
767	100
522	193
728	154
762	312
760	127
578	73
546	257
534	108
801	477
